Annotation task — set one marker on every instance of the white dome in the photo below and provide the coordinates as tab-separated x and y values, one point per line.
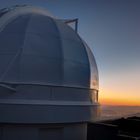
46	70
43	50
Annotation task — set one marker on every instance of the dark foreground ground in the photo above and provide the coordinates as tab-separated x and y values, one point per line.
116	123
118	129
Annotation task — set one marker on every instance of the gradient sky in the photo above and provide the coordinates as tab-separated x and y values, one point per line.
112	30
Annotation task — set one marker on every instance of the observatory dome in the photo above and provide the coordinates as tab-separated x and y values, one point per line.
46	70
38	49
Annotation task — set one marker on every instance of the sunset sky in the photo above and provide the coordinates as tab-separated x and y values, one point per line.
112	30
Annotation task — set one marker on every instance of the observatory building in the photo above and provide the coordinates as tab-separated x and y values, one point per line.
48	78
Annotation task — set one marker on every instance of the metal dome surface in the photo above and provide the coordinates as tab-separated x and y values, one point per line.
39	49
48	74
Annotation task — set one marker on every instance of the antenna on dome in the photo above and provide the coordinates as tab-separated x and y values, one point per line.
75	21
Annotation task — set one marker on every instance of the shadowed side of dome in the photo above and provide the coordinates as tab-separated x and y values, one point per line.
94	76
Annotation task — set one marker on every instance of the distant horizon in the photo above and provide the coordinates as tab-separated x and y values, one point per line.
114	112
120	105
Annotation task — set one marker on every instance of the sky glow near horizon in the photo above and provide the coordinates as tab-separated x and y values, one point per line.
111	28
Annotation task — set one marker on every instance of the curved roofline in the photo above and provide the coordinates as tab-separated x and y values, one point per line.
12	13
28	8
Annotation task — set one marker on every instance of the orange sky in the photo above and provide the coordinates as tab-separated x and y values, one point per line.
120	89
113	98
119	101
